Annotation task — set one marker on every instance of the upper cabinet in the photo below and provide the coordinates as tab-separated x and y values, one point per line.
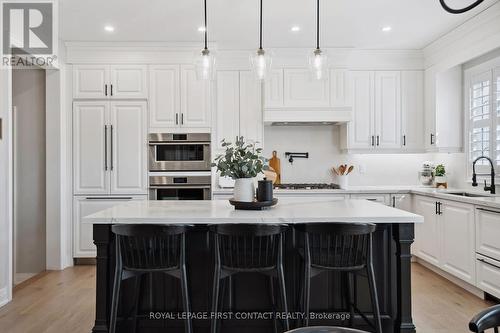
387	111
302	91
178	99
105	81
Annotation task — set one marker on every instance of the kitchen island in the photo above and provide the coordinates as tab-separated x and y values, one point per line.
391	252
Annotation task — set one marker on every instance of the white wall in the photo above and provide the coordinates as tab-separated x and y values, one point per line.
323	142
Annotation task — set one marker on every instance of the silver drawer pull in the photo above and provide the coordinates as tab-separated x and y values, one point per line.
108	198
489	210
488	263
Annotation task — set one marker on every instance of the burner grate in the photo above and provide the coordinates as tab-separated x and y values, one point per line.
307	186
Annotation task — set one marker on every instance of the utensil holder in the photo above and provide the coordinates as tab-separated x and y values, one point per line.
343	182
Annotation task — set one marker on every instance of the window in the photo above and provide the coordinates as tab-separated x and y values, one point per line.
484	117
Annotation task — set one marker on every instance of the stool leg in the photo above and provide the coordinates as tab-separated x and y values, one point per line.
307	292
115	298
215	298
231	295
374	298
273	301
137	296
185	296
281	280
350	298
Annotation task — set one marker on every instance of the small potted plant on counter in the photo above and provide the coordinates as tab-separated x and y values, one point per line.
242	162
440	176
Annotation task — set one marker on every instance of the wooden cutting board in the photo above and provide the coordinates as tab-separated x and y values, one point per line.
275	163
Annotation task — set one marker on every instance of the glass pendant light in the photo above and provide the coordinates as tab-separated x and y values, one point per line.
262	60
318	61
205	64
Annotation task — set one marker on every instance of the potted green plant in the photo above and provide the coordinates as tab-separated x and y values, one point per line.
440	174
242	162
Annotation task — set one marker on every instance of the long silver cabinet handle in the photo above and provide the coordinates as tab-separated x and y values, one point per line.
111	147
488	263
108	198
489	210
106	147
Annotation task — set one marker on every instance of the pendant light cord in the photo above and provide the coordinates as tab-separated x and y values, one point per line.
317	25
462	10
260	27
206	27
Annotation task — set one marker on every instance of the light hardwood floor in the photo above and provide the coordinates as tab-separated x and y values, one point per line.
63	302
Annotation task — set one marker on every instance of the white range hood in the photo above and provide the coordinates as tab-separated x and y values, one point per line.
304	116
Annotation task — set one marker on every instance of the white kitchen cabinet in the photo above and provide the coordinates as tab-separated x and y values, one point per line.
195	99
300	90
446	238
83	243
178	100
488	232
444	110
339	88
164	96
457	240
488	275
427	234
387	109
251	117
273	89
129	149
228	105
90	147
402	201
129	81
380	198
109	147
91	81
360	130
110	81
412	110
239	107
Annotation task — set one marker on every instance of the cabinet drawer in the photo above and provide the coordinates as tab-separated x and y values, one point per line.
380	198
488	275
487	231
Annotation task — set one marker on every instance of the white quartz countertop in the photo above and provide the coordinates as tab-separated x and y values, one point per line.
220	211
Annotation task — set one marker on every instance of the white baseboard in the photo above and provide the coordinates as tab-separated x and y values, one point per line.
462	284
4	297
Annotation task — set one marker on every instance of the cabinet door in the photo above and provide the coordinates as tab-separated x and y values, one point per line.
412	109
91	162
302	91
339	92
360	129
83	240
91	81
457	240
487	232
195	99
164	96
388	109
228	104
273	89
427	234
129	81
251	122
128	148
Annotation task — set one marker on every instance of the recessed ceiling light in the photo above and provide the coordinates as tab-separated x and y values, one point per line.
109	28
387	28
295	28
202	29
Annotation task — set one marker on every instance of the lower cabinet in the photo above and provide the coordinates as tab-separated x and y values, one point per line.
380	198
83	244
446	238
488	275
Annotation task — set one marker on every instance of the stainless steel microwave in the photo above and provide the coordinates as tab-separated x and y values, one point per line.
179	152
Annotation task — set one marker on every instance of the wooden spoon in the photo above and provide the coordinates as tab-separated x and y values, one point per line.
341	170
350	169
335	171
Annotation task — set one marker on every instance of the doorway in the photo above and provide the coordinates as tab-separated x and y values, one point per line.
29	173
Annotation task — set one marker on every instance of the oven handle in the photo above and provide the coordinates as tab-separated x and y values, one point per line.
154	187
170	143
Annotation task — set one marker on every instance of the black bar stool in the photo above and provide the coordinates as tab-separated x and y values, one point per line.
142	249
245	248
342	247
325	329
485	320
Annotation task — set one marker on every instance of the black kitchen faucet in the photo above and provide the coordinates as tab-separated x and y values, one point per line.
490	188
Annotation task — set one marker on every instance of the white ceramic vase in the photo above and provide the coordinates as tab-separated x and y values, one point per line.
343	182
244	190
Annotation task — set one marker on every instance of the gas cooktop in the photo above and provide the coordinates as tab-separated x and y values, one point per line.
306	186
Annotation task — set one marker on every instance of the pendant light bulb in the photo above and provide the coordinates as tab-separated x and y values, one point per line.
318	65
261	64
205	62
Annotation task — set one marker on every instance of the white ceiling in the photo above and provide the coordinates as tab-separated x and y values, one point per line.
234	23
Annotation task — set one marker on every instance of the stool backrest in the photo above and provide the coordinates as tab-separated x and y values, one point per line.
248	246
338	245
485	320
149	247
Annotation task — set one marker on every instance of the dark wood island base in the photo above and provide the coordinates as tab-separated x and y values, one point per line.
160	301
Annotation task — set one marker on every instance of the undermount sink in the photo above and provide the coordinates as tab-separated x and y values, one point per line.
468	194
